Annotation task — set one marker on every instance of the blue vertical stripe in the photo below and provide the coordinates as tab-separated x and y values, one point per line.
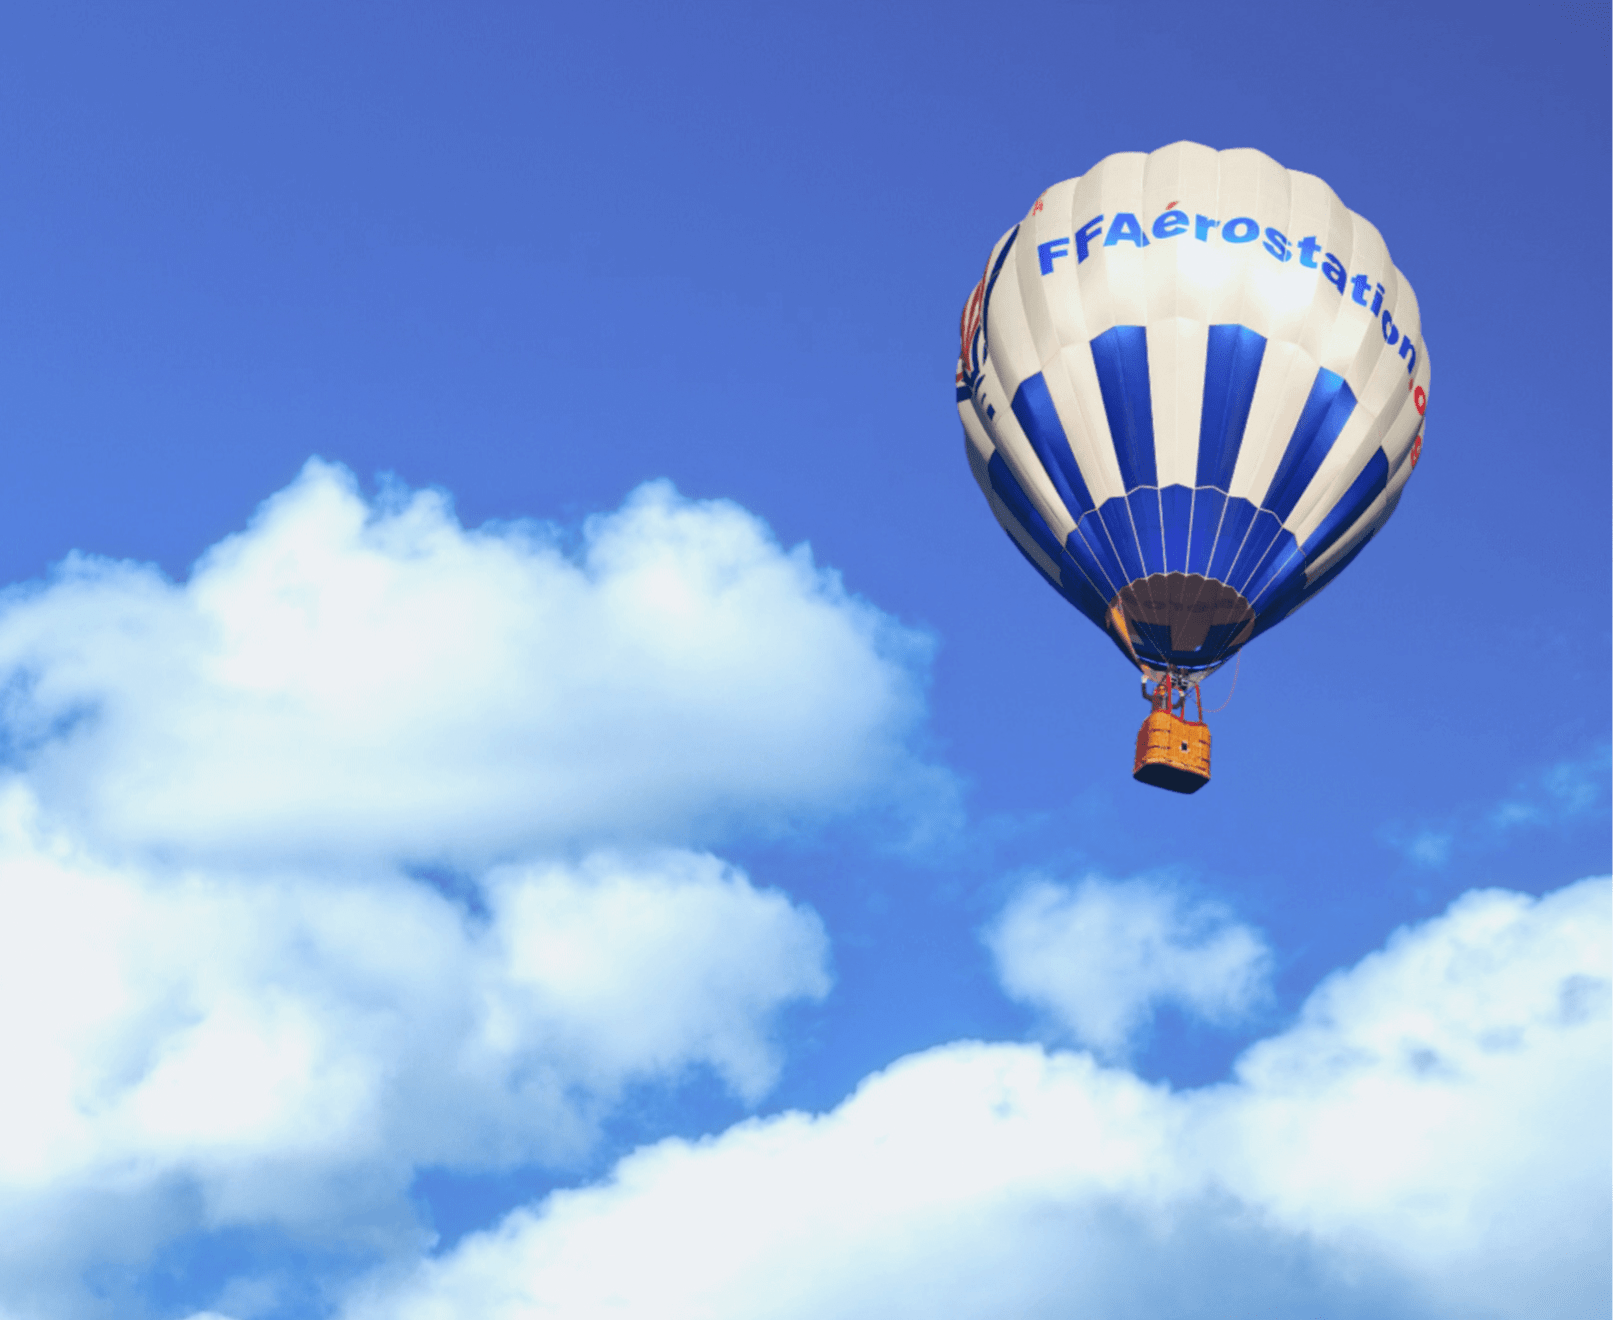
1011	493
1229	541
1145	517
1280	604
1296	591
1326	411
1344	563
1121	356
1207	507
1261	535
1039	420
1103	569
1231	371
1092	535
1075	586
1279	560
1283	563
1176	506
1116	518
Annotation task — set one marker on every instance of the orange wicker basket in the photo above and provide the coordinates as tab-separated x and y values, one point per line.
1173	753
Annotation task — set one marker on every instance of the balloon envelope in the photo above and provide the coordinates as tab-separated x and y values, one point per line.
1192	385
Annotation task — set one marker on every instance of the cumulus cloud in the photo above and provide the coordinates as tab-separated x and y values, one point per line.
373	681
1099	957
1430	1138
230	997
203	1051
231	1003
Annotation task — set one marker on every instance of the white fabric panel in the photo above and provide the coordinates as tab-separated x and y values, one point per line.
1072	380
1405	425
1318	214
1177	349
1393	389
1061	291
1198	271
1182	287
1095	289
1391	495
1369	346
1409	319
1242	174
1042	298
1398	447
1286	376
1010	338
1279	288
1123	267
1335	348
1162	185
1350	326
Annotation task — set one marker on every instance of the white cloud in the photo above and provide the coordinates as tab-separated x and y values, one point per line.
1430	1138
1428	847
376	682
226	999
199	1051
225	1004
1569	793
1573	788
1098	958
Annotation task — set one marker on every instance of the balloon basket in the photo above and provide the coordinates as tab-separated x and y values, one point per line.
1173	752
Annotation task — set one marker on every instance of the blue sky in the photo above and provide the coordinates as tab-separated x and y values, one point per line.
534	781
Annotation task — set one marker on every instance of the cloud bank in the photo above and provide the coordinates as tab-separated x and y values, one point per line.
204	1051
373	681
381	845
367	849
1430	1138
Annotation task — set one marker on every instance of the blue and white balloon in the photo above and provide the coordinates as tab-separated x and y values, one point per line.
1193	385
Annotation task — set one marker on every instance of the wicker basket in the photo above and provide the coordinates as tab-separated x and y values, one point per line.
1173	753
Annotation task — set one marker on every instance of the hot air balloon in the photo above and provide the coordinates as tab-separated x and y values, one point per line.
1192	386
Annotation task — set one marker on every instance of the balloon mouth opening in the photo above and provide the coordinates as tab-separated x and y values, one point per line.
1181	620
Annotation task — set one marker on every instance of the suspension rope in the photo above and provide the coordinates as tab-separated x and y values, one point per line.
1234	687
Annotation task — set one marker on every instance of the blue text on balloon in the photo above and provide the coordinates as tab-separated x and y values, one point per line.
1124	227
